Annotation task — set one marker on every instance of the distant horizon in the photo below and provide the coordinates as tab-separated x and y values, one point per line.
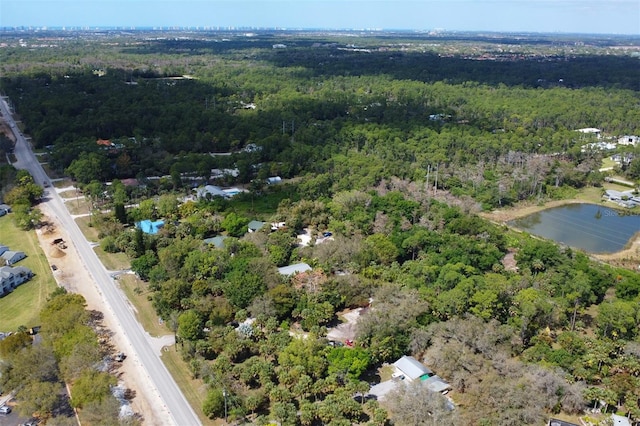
195	29
604	17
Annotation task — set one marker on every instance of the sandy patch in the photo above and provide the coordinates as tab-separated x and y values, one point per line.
346	330
71	274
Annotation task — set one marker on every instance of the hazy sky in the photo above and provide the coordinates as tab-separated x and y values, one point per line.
584	16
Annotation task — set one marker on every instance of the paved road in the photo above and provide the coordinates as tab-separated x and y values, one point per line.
179	410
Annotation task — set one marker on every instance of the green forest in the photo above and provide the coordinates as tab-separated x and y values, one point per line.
388	148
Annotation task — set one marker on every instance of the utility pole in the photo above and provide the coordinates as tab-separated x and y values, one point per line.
435	187
428	171
224	394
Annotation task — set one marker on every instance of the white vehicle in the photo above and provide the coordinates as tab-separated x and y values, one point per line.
5	409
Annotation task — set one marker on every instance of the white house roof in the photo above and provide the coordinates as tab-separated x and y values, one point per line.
294	269
210	189
436	384
628	140
620	420
618	194
589	130
411	367
13	256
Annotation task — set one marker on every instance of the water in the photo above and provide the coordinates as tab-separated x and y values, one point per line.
593	228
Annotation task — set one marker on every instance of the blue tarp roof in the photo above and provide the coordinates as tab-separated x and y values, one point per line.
149	227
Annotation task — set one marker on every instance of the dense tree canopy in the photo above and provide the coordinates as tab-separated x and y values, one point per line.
387	151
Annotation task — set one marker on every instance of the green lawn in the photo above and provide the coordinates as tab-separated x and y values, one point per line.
265	204
138	294
113	261
89	232
77	206
193	389
608	162
23	305
65	182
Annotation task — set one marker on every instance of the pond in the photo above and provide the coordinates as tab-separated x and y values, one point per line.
590	227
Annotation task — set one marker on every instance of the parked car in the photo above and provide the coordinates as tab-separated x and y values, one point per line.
54	268
120	356
335	344
31	422
5	409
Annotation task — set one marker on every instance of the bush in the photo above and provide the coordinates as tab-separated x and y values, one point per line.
108	244
213	405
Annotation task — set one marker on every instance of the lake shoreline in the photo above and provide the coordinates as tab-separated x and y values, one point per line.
628	257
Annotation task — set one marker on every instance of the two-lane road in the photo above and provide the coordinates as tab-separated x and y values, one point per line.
176	410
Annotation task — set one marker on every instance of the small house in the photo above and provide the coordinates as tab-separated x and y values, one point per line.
217	241
557	422
410	369
591	131
3	249
294	269
255	225
11	257
629	140
210	191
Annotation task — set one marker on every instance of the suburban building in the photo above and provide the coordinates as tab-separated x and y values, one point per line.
10	257
623	159
625	199
294	269
255	225
629	140
410	369
12	277
556	422
598	146
223	173
3	249
217	241
591	131
210	191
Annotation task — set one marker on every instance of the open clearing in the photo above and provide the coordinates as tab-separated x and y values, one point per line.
23	305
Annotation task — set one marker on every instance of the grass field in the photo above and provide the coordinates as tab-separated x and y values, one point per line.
265	204
608	162
113	261
77	206
138	294
63	183
90	232
193	389
23	305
